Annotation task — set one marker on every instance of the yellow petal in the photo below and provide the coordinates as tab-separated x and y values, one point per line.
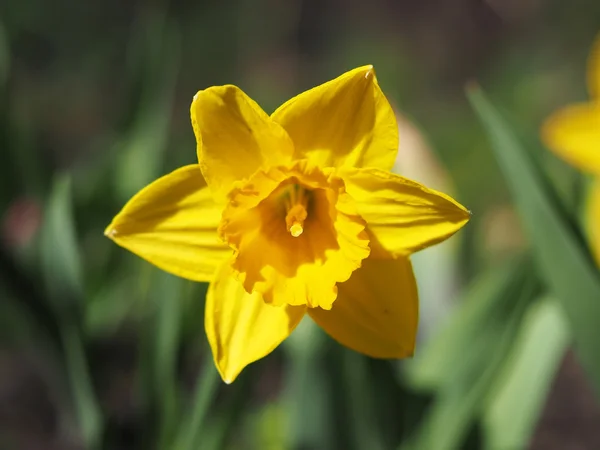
573	133
241	328
172	223
377	310
294	268
402	215
344	122
594	70
592	214
235	137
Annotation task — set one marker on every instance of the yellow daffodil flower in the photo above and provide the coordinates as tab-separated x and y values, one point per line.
573	133
291	214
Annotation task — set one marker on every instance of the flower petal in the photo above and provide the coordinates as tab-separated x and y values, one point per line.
235	137
402	215
242	328
573	133
172	223
344	122
377	310
594	70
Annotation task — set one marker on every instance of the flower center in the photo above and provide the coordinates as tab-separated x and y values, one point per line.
295	234
296	205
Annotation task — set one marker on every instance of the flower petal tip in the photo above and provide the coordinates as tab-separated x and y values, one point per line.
465	213
229	378
110	232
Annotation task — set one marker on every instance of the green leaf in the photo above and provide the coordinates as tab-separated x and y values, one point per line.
527	374
306	396
480	305
225	422
564	263
107	309
89	415
364	429
474	358
168	298
140	154
61	263
194	421
62	274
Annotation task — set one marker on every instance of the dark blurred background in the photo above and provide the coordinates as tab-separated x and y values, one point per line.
100	350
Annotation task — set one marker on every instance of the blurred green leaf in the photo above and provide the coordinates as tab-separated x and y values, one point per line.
526	377
564	262
140	154
62	274
194	422
306	395
192	320
480	304
89	415
362	419
225	422
107	310
268	426
168	292
474	359
59	252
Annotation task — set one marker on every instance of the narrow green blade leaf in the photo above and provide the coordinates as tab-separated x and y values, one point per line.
472	367
61	267
106	309
528	374
564	263
168	299
480	305
307	397
225	422
89	415
195	420
60	256
361	410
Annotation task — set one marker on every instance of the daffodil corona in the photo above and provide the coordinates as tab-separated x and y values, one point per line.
573	133
291	214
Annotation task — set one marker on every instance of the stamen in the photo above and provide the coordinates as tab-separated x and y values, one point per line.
296	205
296	229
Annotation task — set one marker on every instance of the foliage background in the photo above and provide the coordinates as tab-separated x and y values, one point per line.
100	350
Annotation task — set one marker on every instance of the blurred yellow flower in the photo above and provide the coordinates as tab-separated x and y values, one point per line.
291	214
573	133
